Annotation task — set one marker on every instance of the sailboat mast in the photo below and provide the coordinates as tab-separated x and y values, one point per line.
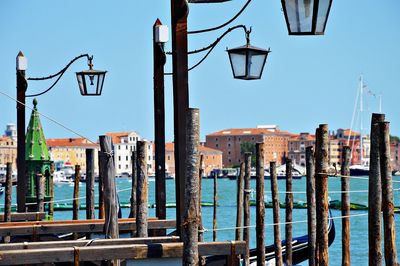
361	118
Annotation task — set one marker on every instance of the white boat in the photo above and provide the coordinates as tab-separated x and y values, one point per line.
59	178
68	169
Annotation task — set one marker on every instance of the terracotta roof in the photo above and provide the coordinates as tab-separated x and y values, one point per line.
169	147
304	137
70	142
116	136
248	131
346	132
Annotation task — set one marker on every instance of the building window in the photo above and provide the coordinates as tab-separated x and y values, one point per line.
126	166
119	147
119	158
230	160
119	166
229	152
229	139
252	138
126	146
127	158
216	145
229	144
168	157
216	139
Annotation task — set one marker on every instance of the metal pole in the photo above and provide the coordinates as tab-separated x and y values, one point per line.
179	13
159	128
22	85
345	172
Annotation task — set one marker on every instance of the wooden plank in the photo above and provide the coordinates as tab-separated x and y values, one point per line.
93	242
88	227
112	252
25	216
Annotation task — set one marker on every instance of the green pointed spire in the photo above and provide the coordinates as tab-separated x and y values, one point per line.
35	142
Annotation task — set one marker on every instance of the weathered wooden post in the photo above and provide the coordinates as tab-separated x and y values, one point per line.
110	194
39	192
159	60
275	206
7	199
201	173
375	195
90	184
51	203
75	207
289	210
215	207
190	214
345	180
142	190
246	204
101	188
133	208
260	205
321	185
311	210
387	196
239	203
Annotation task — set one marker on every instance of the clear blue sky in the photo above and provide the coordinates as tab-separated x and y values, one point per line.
307	80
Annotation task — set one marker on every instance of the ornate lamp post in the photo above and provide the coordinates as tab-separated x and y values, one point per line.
306	17
90	84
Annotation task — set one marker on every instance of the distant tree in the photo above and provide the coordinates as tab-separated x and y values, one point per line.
249	147
394	139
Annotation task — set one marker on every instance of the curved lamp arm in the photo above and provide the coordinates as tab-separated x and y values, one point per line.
214	44
59	74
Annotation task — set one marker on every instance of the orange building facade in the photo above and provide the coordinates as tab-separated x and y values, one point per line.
229	141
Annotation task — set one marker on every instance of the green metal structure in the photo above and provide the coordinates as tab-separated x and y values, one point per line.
37	159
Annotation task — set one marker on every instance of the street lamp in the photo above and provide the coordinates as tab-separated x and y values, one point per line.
247	61
90	83
306	17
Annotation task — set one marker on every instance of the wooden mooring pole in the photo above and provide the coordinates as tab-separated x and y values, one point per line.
246	204
75	207
7	199
375	195
39	192
90	184
311	210
190	213
110	194
321	187
260	204
215	206
101	189
387	196
142	190
133	208
345	180
289	210
51	203
276	215
201	173
90	210
239	203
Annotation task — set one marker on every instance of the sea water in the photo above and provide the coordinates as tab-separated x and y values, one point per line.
226	212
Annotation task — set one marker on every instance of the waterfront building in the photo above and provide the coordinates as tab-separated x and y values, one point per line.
71	151
124	143
297	145
8	151
212	158
11	131
230	141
